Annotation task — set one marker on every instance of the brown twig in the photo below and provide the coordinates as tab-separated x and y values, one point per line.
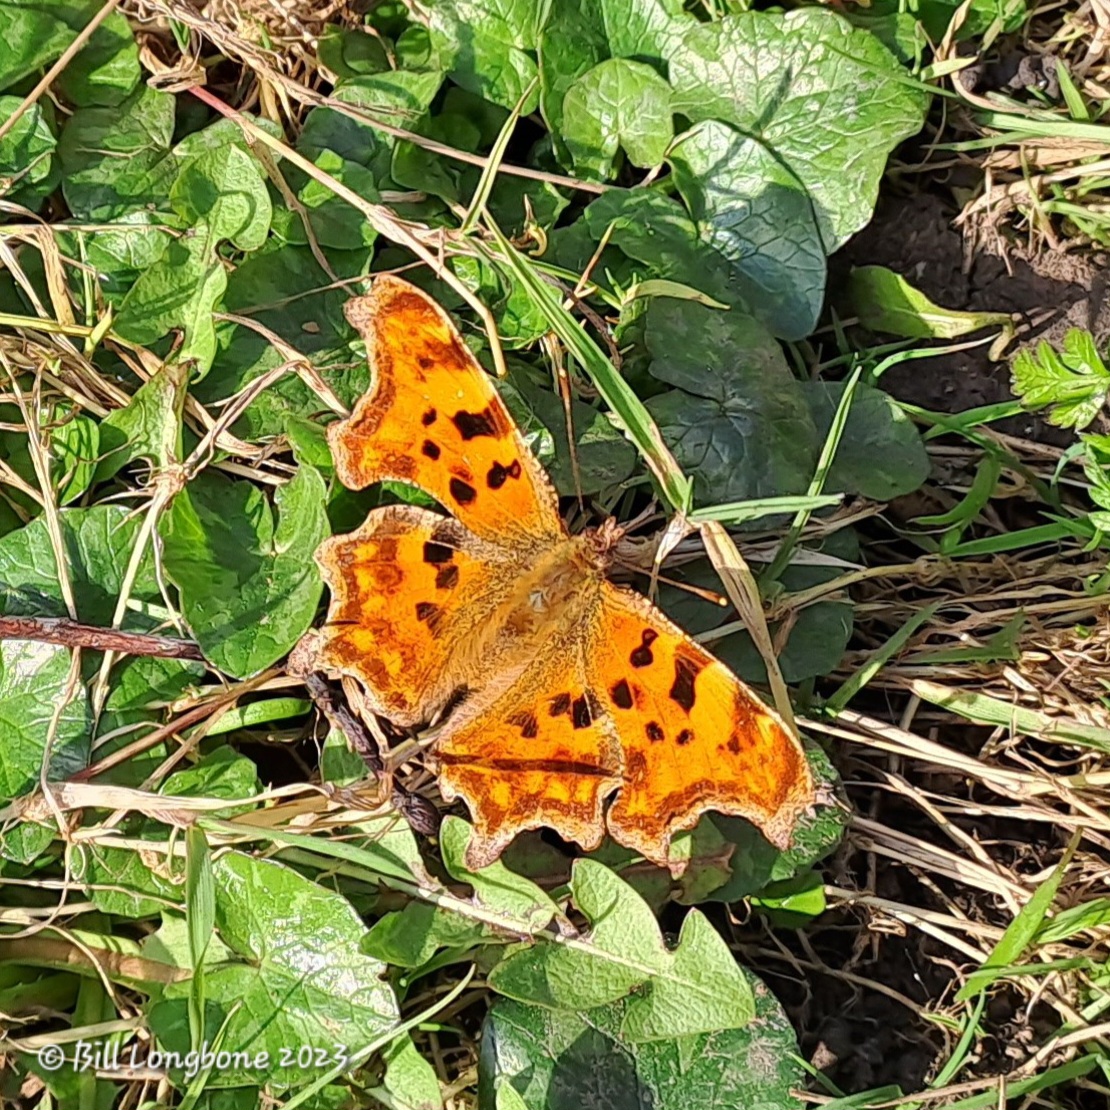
69	633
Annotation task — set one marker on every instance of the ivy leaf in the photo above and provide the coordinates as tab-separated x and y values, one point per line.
755	213
249	587
27	161
294	976
567	1059
106	70
34	681
148	426
489	44
222	192
617	104
877	428
30	37
828	101
113	159
579	34
694	989
1073	384
738	423
97	543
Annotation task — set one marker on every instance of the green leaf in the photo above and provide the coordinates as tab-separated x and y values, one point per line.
113	159
224	191
828	101
75	445
105	70
410	937
295	978
605	458
582	1060
738	423
489	43
885	302
657	232
28	168
618	104
1073	384
97	545
249	588
696	988
495	886
350	52
752	210
30	37
33	688
334	222
410	1082
881	454
148	426
578	34
180	290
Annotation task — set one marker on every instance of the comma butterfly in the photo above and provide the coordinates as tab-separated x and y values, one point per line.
560	688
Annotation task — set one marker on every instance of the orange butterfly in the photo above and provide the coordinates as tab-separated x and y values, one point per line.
560	688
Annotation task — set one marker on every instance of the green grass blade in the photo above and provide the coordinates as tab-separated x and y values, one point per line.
615	391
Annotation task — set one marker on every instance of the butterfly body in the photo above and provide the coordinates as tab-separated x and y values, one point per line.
568	702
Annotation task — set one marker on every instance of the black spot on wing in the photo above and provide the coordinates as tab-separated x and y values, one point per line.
559	705
580	715
686	670
425	362
642	656
499	474
653	732
527	723
428	612
471	425
430	450
437	552
684	737
429	418
621	695
461	491
447	577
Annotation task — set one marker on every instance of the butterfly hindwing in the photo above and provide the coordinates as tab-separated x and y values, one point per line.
408	588
540	755
693	736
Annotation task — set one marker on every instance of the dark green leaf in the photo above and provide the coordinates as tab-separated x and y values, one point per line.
827	100
114	159
881	454
560	1060
752	210
249	587
738	423
28	167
